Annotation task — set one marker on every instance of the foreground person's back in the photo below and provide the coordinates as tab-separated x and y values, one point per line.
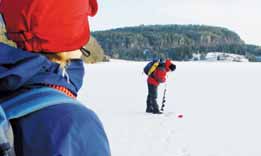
49	60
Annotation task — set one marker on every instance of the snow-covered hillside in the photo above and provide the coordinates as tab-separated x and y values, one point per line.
219	56
220	103
215	56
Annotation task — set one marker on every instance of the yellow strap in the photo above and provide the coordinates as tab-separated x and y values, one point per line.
153	68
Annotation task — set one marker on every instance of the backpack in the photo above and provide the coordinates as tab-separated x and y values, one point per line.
151	67
22	105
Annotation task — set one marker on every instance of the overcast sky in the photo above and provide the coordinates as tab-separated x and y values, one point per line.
241	16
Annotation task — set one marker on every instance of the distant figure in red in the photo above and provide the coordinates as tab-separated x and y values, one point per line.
157	77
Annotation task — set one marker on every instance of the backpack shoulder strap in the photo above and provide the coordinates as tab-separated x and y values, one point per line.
34	100
153	67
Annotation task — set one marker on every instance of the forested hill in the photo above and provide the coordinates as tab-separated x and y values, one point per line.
174	41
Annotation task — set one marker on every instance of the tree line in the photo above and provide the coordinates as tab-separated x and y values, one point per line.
177	42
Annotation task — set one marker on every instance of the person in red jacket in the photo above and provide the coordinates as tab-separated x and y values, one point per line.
157	77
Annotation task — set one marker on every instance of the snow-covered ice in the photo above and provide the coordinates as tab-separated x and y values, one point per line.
220	102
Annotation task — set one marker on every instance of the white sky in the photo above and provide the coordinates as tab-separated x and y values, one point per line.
241	16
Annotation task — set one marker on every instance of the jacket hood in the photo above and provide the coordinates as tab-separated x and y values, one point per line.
167	64
20	69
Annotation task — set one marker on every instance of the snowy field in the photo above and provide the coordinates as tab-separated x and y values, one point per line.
221	104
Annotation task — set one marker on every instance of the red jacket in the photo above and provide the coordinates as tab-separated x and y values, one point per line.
159	75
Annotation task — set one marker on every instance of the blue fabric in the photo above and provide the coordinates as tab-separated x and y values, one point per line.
71	128
26	103
71	131
32	101
20	68
63	129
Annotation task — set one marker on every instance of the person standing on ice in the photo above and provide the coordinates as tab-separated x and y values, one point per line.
154	79
50	35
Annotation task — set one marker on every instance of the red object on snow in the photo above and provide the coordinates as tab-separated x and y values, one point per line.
48	25
180	116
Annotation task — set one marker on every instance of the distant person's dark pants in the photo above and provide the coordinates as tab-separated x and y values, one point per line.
152	105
